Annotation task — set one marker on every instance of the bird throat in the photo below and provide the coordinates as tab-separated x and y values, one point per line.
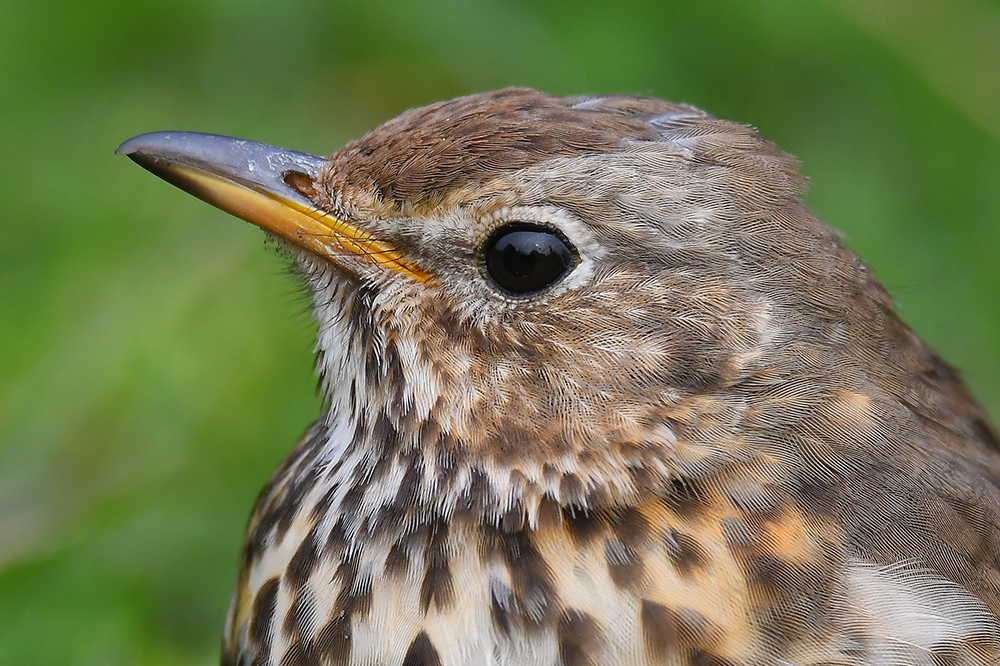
410	434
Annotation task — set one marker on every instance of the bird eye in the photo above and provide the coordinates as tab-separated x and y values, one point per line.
522	258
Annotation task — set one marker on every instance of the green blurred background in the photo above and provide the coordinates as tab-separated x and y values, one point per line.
155	358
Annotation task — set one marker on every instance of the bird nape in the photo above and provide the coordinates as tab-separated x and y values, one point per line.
600	390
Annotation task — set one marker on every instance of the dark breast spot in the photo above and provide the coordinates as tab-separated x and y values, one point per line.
333	642
686	497
421	652
301	566
336	540
325	503
513	519
625	567
384	435
397	562
407	495
301	614
549	514
580	638
584	526
355	597
773	576
437	585
670	631
571	490
296	654
684	551
631	528
501	602
478	494
262	624
790	600
530	575
351	502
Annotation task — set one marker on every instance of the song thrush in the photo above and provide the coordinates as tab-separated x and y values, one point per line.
601	390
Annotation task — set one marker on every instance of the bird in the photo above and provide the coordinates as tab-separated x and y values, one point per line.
599	389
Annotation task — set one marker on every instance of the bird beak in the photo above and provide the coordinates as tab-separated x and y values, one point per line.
264	185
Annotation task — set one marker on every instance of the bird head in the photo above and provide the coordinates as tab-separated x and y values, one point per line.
573	299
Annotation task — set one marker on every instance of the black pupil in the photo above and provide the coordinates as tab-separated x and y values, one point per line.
522	259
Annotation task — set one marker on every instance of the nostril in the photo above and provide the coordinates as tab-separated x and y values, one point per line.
300	182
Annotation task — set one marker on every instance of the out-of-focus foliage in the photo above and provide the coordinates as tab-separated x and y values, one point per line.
154	355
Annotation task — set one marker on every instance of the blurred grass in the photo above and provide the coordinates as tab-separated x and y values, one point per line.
154	357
